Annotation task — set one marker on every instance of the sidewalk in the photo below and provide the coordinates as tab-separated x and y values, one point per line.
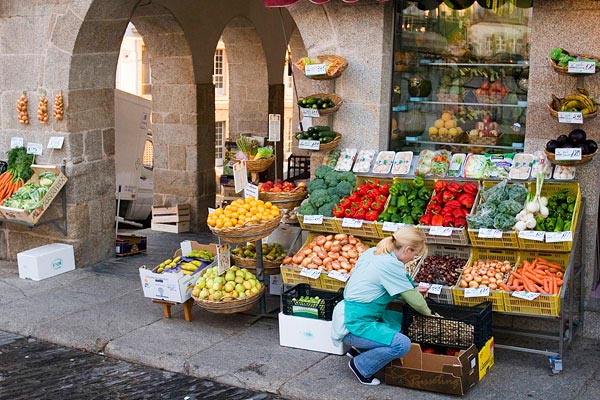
102	309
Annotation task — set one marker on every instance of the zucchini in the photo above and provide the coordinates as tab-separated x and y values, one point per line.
329	134
322	128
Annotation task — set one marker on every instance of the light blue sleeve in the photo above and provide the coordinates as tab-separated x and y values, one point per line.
394	279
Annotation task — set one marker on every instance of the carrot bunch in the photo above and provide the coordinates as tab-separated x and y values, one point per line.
9	185
538	276
19	171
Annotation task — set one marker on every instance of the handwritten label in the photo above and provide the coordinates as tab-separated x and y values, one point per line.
440	231
581	67
240	176
569	117
525	295
490	233
16	142
56	142
477	292
392	226
310	273
313	219
35	148
310	113
210	210
352	223
309	144
424	284
538	236
435	289
568	154
340	276
251	191
223	258
553	237
274	127
315	69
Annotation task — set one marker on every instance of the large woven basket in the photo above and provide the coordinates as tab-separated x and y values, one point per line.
554	113
269	267
565	70
287	200
490	98
338	65
331	145
230	306
249	232
486	140
584	159
260	165
337	100
447	138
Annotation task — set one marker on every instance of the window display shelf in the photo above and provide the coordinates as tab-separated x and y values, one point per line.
523	104
524	64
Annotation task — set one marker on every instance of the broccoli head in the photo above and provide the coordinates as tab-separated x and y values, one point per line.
348	177
316	184
322	171
344	188
332	179
326	209
318	198
307	209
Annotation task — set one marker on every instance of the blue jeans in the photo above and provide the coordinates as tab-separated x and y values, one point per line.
378	355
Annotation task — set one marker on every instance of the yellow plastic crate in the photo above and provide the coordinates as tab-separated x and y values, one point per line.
458	237
291	276
367	230
328	283
548	189
329	225
545	304
496	297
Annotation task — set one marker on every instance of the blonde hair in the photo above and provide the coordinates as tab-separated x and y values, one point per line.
405	236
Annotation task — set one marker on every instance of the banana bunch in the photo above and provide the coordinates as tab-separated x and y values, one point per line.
576	102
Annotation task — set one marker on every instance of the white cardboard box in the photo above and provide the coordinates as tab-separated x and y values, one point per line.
307	334
176	287
46	261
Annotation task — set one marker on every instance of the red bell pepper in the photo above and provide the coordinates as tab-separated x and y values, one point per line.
354	197
382	198
470	188
458	213
360	213
437	220
372	183
377	206
354	206
348	213
447	196
452	204
338	211
448	220
362	190
345	202
460	222
384	189
454	187
434	208
466	200
439	186
373	193
426	219
366	203
371	215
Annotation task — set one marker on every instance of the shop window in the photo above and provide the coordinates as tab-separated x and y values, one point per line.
219	142
148	159
219	72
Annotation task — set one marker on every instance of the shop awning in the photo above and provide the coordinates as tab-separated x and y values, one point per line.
285	3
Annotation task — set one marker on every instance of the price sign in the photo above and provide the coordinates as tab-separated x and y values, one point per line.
568	154
274	127
477	292
440	231
16	142
35	148
538	236
568	117
392	226
56	142
313	219
582	67
210	210
525	295
340	276
435	289
424	284
223	258
315	69
352	223
553	237
240	176
309	144
310	113
251	191
310	273
490	233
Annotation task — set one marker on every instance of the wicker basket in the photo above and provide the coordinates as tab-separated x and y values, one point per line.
337	100
230	306
341	64
486	140
490	98
287	200
269	267
584	159
249	232
447	138
565	70
260	165
554	113
331	145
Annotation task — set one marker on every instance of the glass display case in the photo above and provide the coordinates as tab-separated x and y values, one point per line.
460	75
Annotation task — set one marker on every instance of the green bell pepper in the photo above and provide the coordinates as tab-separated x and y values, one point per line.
418	182
408	220
570	207
424	193
571	199
402	201
559	225
567	226
550	224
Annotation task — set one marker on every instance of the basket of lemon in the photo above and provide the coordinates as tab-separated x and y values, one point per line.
244	220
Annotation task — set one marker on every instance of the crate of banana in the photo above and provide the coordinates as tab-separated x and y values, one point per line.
575	102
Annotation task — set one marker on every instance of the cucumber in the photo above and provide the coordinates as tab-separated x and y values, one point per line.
329	134
321	127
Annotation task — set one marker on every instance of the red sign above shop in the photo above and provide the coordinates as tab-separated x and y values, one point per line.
285	3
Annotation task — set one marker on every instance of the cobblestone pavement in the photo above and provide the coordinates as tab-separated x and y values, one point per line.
32	369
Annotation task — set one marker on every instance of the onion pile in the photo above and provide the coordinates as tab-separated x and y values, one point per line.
327	253
485	273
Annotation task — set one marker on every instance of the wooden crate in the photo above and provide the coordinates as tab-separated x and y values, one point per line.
175	219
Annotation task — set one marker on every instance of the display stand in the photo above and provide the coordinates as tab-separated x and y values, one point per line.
187	308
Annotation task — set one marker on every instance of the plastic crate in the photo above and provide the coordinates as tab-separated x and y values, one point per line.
367	230
458	237
445	296
328	283
329	225
325	308
459	327
545	304
548	189
291	276
496	297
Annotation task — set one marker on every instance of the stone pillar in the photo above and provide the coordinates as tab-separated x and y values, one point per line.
205	157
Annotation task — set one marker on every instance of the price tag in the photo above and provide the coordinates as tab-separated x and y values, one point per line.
210	210
313	219
240	176
490	233
223	258
424	284
440	231
315	69
274	127
340	276
392	226
582	67
310	113
568	154
56	142
538	236
310	273
525	295
352	223
309	144
251	191
477	292
435	289
568	117
35	148
553	237
16	142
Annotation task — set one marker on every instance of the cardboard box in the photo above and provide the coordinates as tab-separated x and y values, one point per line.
485	358
128	245
46	261
307	334
436	373
32	218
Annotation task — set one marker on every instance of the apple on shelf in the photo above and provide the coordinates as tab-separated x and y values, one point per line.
281	186
485	128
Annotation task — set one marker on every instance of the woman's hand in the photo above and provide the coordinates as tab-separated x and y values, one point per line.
423	290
